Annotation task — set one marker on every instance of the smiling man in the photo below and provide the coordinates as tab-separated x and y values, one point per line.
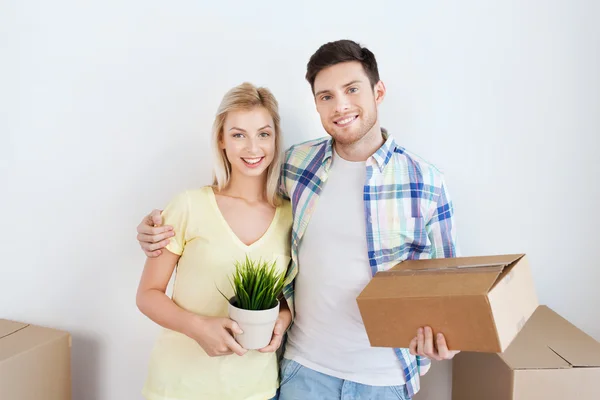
361	204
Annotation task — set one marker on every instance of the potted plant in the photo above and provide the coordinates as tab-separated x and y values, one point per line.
255	305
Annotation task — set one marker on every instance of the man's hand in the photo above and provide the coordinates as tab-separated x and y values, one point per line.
214	335
152	236
283	322
422	345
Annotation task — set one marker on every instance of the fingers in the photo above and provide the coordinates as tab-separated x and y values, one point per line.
442	347
147	229
152	254
146	238
420	342
151	224
276	339
232	326
423	344
429	348
235	346
155	246
155	240
156	217
218	353
412	347
273	346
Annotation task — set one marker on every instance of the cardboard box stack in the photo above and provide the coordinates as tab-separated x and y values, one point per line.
487	307
550	359
35	362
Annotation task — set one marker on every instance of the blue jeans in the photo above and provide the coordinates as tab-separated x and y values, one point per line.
301	383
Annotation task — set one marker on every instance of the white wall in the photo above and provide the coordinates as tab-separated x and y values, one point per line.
106	110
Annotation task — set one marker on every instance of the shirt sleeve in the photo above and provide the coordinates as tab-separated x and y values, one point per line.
423	365
440	227
176	214
283	175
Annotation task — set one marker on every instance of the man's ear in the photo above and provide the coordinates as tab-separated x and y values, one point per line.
379	91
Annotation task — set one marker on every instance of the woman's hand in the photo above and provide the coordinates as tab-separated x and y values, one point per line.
283	322
215	335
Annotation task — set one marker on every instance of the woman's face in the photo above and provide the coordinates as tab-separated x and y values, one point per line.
249	141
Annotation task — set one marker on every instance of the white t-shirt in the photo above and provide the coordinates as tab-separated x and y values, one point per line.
328	335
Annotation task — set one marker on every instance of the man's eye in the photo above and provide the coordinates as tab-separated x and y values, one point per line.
325	98
353	90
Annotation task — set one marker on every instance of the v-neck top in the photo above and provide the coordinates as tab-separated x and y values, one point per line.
179	367
234	237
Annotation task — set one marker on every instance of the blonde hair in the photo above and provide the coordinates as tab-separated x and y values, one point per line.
246	97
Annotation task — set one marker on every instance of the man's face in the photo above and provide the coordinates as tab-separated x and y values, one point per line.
346	101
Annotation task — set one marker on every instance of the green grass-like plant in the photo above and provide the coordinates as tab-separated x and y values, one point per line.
256	284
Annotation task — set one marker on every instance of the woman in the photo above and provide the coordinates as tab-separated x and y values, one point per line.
196	356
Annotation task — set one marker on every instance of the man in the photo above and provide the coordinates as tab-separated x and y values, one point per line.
361	204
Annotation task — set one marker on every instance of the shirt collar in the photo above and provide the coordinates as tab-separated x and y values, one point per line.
381	157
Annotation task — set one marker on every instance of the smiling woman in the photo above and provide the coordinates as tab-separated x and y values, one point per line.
196	355
246	138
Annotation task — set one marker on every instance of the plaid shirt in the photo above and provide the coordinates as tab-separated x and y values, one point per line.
408	212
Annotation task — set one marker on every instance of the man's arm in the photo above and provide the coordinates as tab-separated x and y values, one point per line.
283	175
442	235
440	227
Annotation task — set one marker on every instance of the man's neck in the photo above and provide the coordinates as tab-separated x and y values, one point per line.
364	148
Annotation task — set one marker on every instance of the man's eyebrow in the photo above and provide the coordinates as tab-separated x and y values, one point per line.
320	92
352	83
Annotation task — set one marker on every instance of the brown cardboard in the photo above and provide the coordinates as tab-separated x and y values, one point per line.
35	362
478	303
550	359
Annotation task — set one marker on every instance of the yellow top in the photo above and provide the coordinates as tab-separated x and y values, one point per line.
179	368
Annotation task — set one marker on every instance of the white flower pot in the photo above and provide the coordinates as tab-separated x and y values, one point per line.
256	325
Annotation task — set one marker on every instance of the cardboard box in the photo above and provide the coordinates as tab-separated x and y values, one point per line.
478	303
35	362
550	359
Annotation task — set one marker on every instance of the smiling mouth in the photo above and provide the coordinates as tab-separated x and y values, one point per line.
346	121
253	162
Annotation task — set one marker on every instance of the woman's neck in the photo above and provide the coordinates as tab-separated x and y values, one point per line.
250	189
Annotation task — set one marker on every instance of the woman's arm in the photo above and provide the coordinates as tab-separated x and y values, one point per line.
211	333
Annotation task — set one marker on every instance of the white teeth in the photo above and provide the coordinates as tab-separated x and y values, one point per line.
345	121
252	160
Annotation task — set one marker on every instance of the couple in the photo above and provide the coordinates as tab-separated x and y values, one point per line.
342	208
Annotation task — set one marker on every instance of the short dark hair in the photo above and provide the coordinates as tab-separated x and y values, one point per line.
340	51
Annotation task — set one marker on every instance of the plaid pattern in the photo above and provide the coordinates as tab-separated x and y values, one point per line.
409	214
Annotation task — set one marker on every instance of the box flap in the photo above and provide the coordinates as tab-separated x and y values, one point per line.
456	262
439	277
26	338
9	327
548	341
